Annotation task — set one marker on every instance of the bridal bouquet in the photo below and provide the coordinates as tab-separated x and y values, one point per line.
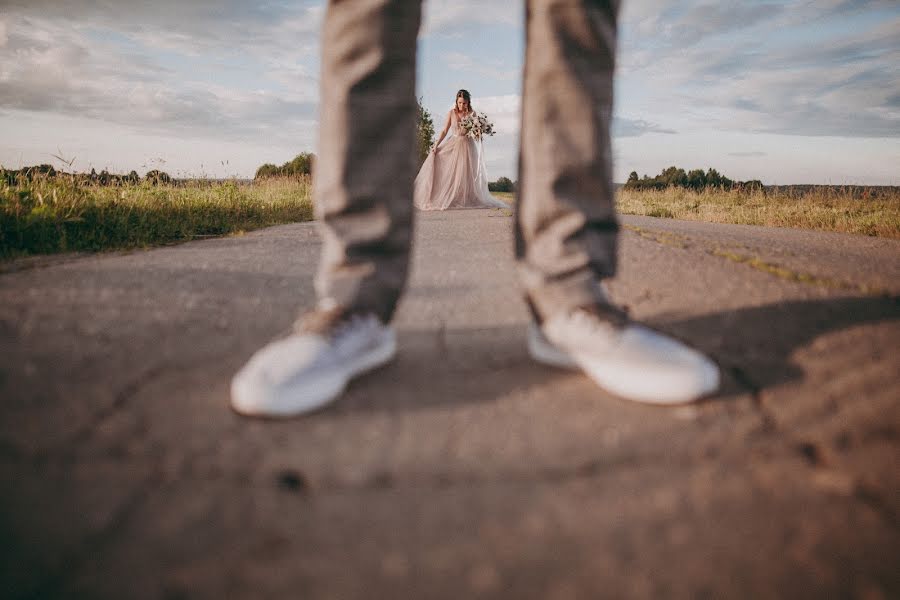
477	125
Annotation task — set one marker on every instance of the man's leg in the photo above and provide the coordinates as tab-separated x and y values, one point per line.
566	223
366	165
363	195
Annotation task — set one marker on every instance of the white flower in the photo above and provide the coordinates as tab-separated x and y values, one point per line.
477	125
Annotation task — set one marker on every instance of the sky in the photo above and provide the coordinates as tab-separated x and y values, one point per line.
785	91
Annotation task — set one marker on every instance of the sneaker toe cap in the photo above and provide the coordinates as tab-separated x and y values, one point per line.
262	384
656	369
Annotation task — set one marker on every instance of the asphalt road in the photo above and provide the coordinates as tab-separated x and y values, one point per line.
462	470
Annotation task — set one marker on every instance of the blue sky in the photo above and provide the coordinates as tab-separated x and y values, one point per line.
786	91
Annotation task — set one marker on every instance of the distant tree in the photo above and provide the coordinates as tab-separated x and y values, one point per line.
754	185
29	173
504	184
696	179
266	170
302	164
157	177
47	170
713	179
424	132
673	176
8	176
104	177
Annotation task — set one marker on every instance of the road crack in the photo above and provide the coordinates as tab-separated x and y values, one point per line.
120	400
757	263
55	584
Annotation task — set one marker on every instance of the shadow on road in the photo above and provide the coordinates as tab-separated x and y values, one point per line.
468	366
756	343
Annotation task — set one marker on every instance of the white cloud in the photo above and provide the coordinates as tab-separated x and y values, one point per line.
52	66
503	111
495	70
625	127
194	24
33	138
843	88
447	18
245	74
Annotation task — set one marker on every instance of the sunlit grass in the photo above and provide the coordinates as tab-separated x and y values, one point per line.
824	209
58	214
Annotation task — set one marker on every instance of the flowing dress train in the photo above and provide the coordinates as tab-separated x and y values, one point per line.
455	175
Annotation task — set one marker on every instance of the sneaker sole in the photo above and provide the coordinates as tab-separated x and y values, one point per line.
612	377
547	354
318	393
661	390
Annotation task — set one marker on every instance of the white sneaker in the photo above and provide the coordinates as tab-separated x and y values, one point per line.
311	368
543	351
627	359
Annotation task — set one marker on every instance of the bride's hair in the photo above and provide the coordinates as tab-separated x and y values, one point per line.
465	95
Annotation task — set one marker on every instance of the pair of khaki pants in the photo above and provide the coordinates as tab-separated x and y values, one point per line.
565	219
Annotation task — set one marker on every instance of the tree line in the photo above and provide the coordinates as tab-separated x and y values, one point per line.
13	177
302	164
695	179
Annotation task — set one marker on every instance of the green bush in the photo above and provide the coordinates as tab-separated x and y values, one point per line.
504	184
424	132
300	165
695	179
155	177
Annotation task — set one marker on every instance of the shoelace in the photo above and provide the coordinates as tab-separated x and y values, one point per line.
594	316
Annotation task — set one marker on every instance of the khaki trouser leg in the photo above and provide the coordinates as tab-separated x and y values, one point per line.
366	164
566	223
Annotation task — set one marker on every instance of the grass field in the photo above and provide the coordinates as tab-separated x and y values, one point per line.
57	214
823	209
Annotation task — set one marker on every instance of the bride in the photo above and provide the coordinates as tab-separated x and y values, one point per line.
453	175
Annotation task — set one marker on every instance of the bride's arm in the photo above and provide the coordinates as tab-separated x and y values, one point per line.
443	132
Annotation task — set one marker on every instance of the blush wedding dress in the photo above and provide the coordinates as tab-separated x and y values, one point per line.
454	176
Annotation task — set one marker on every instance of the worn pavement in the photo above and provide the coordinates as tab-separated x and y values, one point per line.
463	469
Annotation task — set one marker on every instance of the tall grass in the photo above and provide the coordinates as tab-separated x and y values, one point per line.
825	209
873	212
57	214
